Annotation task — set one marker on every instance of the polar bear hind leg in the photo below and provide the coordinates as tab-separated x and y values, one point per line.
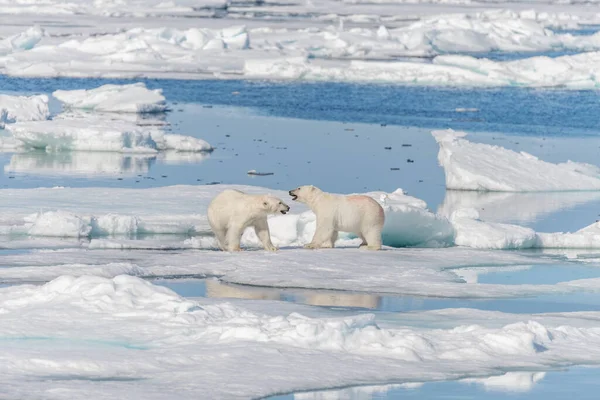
221	235
234	235
373	239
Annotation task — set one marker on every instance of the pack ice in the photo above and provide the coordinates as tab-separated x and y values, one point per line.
330	53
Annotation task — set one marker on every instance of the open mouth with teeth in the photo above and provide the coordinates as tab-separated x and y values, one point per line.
284	212
294	197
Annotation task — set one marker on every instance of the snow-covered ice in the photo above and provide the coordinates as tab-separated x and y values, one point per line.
483	167
22	41
472	232
128	329
514	207
133	98
328	53
24	108
97	133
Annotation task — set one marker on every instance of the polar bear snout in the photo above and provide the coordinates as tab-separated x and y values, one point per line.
294	195
285	210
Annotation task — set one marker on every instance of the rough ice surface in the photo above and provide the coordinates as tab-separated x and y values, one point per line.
97	133
330	53
130	329
483	167
24	108
585	238
132	98
57	223
472	232
22	41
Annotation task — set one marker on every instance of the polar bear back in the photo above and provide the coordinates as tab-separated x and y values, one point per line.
352	213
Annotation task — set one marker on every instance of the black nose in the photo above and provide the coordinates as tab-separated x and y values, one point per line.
290	193
288	208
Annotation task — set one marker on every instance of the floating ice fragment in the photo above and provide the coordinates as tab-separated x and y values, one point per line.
24	108
475	166
133	98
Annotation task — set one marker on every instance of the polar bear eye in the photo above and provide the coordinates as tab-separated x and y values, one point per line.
265	203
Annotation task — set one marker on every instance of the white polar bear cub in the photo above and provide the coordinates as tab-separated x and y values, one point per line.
357	214
232	211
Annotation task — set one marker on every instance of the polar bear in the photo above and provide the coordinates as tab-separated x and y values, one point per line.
353	213
232	211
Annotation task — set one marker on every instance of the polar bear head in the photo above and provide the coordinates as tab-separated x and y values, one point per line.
273	205
305	194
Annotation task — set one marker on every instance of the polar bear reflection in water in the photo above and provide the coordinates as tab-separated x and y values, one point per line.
232	211
356	214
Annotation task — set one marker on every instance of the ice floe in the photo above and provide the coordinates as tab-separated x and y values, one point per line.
124	329
24	108
471	231
133	98
483	167
96	133
514	207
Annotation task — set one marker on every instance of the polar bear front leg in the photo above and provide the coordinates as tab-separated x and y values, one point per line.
261	227
323	233
234	235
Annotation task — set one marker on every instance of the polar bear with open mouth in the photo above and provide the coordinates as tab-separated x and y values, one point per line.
356	214
232	211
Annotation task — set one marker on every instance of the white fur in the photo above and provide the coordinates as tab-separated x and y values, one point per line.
232	211
357	214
